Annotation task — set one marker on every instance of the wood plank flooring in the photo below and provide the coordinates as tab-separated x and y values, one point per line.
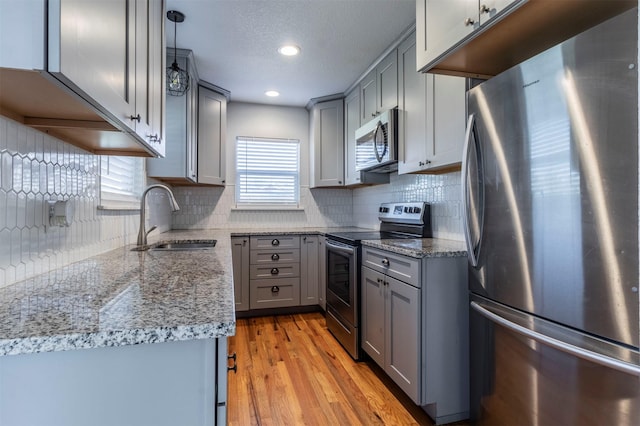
292	371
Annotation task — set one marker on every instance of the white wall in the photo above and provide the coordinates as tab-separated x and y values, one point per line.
212	207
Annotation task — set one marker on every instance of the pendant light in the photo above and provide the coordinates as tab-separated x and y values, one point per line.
177	79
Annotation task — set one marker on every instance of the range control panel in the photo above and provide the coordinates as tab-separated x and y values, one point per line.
410	212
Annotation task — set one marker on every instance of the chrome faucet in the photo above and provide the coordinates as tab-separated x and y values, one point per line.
142	234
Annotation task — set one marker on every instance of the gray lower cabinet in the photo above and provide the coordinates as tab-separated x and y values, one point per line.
160	384
309	268
274	271
240	256
415	326
391	314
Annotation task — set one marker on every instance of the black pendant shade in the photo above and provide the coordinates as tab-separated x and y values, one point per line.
177	78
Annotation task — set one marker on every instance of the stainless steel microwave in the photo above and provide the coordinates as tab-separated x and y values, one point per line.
376	143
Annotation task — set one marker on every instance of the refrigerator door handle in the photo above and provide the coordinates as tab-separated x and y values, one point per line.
603	360
471	250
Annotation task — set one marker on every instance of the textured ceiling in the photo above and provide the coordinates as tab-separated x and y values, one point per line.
235	43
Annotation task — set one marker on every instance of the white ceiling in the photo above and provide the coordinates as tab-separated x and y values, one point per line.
235	43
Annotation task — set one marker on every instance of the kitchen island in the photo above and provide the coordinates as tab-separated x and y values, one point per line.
156	324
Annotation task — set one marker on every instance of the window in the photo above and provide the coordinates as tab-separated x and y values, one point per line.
267	171
121	182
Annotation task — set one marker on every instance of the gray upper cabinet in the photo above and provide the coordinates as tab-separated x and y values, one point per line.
445	138
441	25
482	38
351	124
106	94
327	144
196	131
179	165
431	116
379	88
212	125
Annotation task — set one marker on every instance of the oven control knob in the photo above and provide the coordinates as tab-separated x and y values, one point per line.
275	242
385	209
274	271
275	256
417	209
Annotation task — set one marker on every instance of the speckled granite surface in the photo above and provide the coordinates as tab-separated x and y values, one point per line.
126	297
123	297
421	247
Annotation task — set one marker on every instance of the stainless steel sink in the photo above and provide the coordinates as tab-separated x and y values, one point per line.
185	245
178	245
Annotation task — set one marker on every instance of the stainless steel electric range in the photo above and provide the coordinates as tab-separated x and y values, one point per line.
397	220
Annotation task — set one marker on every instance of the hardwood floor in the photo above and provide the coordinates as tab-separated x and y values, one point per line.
292	371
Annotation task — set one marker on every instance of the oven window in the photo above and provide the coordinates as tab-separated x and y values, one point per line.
338	275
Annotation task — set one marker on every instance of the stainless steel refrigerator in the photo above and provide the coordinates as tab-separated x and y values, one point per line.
550	196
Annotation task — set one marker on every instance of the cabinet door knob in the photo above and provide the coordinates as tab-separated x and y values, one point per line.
385	262
135	118
275	289
373	114
469	21
485	9
234	368
274	271
275	256
275	242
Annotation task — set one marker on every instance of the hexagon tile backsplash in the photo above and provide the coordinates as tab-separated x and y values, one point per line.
35	169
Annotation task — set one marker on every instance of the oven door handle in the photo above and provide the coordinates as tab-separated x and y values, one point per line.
340	248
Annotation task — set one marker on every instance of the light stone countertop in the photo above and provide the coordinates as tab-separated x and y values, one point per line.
125	297
421	247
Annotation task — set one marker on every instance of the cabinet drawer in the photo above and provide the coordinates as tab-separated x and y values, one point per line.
275	256
283	270
275	293
275	241
403	268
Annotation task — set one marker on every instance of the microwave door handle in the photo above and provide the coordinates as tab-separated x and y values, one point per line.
375	143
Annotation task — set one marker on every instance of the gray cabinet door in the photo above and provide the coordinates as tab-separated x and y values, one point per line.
449	115
373	318
413	121
402	336
327	138
309	270
368	96
322	273
387	82
212	119
240	258
351	124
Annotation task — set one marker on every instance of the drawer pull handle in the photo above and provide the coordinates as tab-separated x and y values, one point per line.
234	368
135	118
275	242
385	261
275	256
274	271
275	289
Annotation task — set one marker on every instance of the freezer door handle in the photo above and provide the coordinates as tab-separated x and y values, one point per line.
603	360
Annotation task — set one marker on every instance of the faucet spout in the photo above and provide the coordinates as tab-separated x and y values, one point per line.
142	234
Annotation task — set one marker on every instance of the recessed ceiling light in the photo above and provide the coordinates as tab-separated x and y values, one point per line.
272	93
289	50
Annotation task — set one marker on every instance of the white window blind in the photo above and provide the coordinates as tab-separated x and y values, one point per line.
267	171
121	182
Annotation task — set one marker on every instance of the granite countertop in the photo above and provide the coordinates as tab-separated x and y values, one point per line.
421	247
123	297
126	297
